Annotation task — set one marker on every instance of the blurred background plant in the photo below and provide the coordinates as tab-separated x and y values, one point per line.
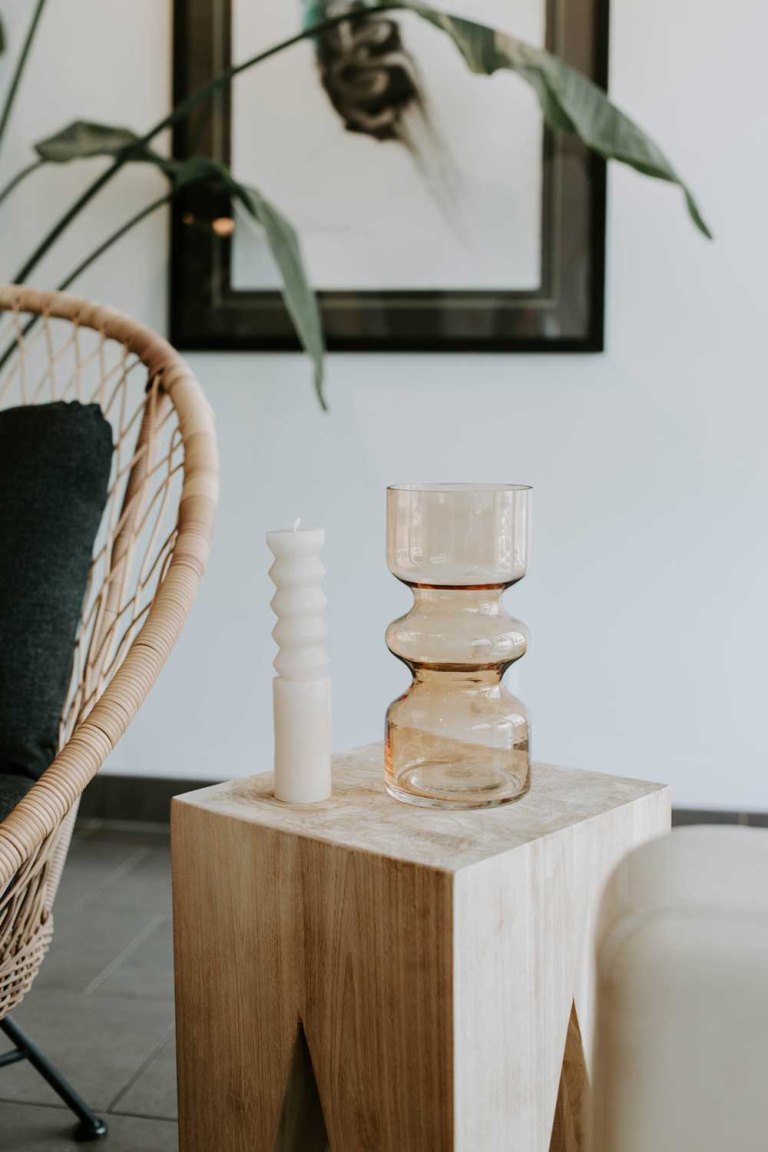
371	81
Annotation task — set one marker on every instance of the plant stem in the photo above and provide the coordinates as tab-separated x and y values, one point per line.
65	220
16	81
117	235
97	252
201	94
17	179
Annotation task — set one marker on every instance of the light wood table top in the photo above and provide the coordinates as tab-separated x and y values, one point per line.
361	814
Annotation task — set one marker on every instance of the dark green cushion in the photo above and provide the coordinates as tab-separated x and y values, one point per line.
54	471
12	788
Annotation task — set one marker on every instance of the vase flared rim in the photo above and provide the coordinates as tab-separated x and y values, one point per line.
459	487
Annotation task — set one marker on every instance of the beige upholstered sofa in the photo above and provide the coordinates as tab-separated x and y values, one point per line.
682	1009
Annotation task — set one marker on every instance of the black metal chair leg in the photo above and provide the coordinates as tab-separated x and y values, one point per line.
89	1126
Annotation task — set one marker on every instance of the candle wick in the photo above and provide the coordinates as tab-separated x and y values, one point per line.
296	523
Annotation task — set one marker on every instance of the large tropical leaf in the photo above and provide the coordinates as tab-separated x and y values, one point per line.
83	139
300	299
298	293
569	101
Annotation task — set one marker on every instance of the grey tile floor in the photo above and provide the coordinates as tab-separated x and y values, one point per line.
101	1008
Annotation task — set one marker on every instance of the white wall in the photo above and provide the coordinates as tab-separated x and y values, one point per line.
646	596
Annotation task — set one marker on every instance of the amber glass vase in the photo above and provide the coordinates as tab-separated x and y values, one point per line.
457	738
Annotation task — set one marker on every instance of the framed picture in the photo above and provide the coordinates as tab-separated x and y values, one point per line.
435	209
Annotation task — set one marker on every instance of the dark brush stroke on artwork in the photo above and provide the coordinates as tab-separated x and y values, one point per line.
373	82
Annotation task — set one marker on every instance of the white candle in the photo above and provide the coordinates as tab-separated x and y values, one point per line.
302	688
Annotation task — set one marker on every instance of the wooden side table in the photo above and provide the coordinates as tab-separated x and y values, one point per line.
402	979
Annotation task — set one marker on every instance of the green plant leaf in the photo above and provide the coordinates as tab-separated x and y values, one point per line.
298	293
299	297
2	35
569	100
200	170
83	139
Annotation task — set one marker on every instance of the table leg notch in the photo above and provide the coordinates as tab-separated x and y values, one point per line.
301	1127
568	1133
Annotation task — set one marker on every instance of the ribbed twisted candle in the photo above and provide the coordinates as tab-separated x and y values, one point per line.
299	604
301	689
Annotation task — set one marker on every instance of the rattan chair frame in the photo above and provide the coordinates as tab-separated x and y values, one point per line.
149	579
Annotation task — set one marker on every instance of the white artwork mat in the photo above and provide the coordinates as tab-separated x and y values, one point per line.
368	217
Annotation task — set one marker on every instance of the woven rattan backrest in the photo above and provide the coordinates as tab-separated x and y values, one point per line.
146	567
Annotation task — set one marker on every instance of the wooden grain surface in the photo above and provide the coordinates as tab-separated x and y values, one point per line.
523	937
271	929
433	960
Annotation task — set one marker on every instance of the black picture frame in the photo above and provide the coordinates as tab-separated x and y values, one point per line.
565	314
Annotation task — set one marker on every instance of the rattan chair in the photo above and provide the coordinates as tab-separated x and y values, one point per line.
146	567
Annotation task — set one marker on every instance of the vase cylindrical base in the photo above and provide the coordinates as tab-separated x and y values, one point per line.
436	798
435	769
